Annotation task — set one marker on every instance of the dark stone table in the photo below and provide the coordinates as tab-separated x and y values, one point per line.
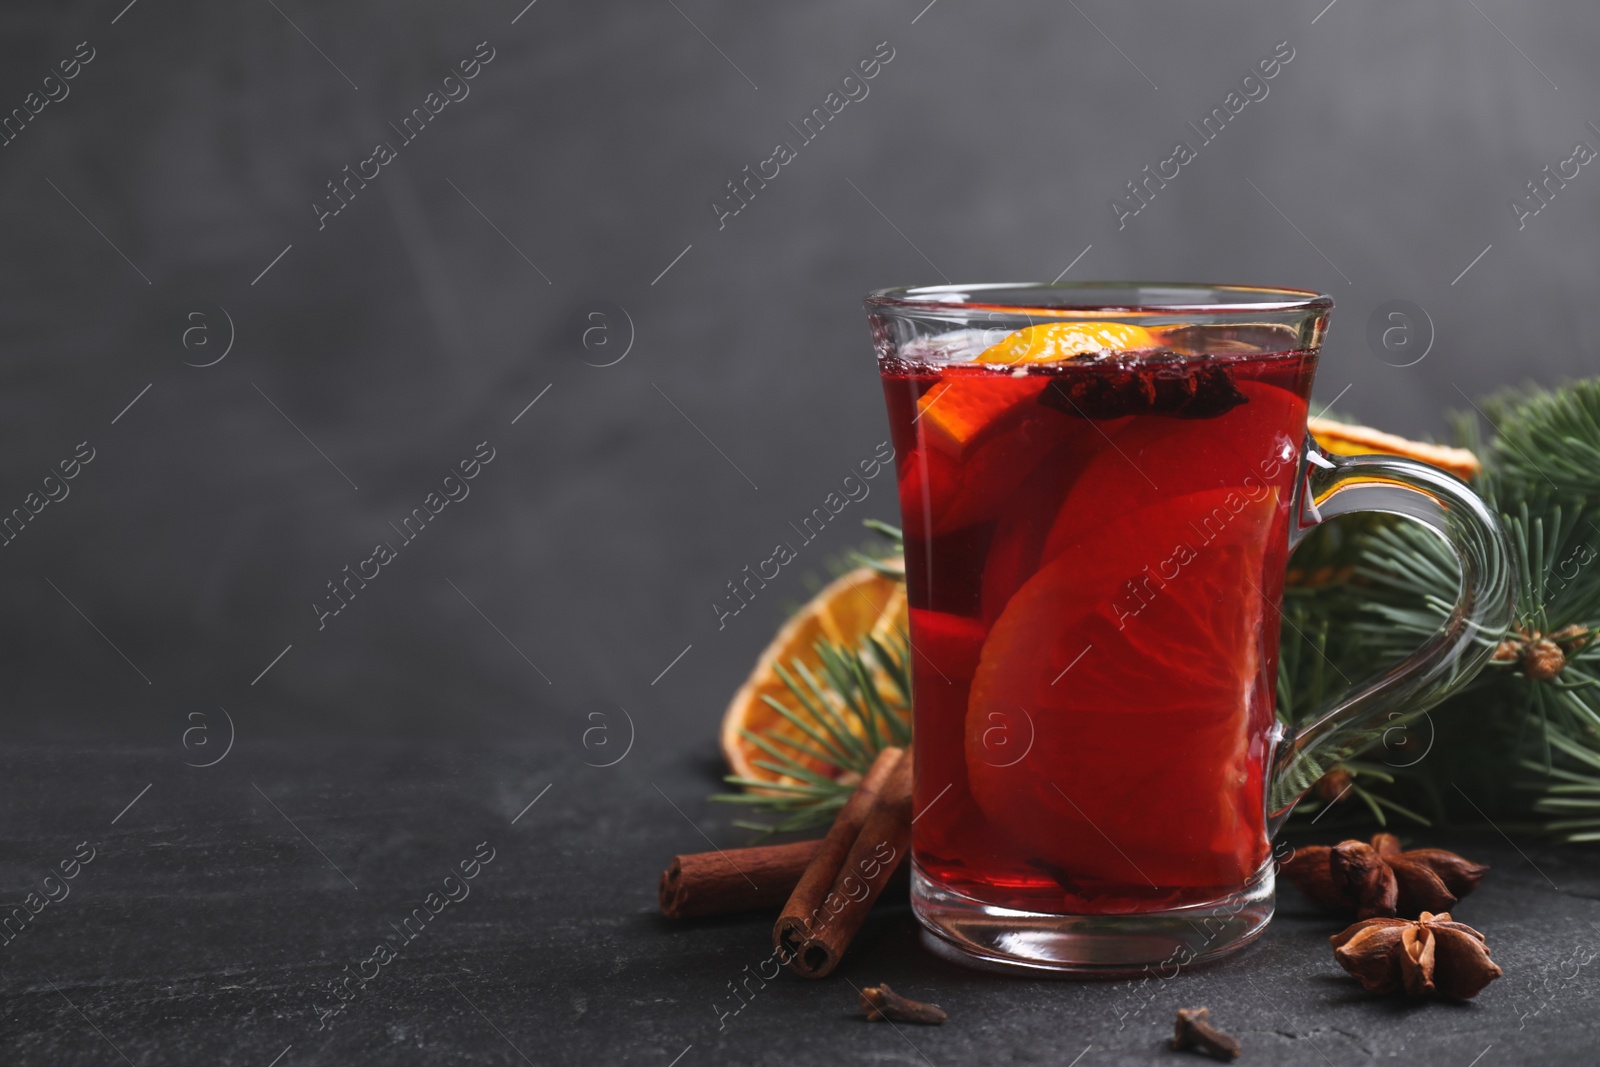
220	907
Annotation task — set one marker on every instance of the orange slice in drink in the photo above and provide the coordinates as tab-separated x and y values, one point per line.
950	644
1054	342
852	607
959	412
1026	516
958	493
1252	446
1135	657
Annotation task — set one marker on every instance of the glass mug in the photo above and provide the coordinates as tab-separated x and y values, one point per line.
1100	485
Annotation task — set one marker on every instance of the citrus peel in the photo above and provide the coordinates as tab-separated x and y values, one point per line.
1346	439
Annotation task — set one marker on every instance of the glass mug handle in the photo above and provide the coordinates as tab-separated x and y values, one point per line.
1332	485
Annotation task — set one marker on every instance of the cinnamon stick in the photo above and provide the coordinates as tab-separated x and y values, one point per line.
794	924
738	879
698	884
878	851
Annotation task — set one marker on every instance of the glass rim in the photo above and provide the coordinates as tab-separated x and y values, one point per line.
953	297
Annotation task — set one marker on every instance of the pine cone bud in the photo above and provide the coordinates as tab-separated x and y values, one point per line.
1543	659
1507	651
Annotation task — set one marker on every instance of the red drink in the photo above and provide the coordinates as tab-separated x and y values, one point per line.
1099	485
1095	551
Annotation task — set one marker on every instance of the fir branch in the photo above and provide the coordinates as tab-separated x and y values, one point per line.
1550	436
893	567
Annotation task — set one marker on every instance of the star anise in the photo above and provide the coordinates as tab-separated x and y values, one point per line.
1379	879
1432	954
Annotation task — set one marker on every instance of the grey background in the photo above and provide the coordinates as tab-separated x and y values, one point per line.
409	329
571	591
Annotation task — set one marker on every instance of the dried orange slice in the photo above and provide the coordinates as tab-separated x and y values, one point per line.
1344	439
854	606
955	414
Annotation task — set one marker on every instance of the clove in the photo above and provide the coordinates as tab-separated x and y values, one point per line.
881	1002
1194	1030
